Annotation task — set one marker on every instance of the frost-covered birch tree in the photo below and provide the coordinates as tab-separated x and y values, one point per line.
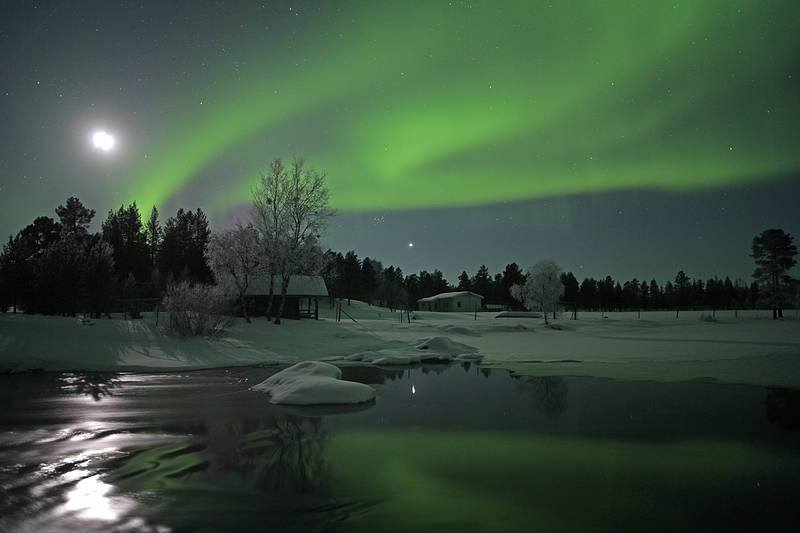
269	212
235	256
542	289
291	210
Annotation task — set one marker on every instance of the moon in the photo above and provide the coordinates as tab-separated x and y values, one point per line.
103	140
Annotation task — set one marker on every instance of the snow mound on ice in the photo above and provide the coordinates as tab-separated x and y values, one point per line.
313	383
362	356
445	345
412	358
469	357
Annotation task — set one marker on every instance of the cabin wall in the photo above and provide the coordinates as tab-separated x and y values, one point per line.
257	306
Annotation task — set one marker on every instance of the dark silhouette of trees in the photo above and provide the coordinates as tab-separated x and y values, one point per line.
182	255
153	233
644	295
352	276
773	253
482	282
464	283
512	275
59	267
571	289
369	278
655	295
123	230
333	273
606	294
391	288
74	217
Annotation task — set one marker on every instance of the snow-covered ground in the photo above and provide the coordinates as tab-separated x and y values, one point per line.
657	346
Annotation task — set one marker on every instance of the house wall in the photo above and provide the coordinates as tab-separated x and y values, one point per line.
464	303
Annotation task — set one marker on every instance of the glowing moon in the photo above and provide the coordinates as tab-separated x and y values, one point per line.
102	140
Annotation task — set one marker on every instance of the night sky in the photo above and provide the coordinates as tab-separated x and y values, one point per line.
628	138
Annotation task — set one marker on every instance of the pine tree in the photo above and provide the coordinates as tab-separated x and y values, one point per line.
75	218
774	253
464	282
369	280
153	233
124	232
352	276
481	283
571	289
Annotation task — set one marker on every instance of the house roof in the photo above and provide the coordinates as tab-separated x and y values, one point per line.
298	286
447	295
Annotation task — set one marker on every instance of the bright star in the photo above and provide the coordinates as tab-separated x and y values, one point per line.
411	245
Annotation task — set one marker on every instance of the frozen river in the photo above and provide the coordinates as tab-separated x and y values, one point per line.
445	448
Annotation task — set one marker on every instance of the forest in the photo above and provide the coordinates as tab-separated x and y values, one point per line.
57	266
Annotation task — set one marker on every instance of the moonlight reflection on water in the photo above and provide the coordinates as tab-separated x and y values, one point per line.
196	450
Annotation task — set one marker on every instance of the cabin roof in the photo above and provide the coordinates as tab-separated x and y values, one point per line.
448	295
298	286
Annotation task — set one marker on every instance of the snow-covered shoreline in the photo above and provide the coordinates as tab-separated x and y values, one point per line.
749	349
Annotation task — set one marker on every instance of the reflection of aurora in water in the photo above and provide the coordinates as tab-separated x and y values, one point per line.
472	448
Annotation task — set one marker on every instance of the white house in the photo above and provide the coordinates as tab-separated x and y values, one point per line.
451	301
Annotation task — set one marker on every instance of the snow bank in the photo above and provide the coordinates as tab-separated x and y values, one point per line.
313	383
518	314
507	328
460	330
445	345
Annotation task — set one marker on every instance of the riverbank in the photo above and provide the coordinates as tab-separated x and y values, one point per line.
750	349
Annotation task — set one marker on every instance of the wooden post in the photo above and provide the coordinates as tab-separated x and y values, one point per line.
316	309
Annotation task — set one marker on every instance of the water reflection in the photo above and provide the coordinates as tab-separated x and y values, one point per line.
371	374
549	393
783	408
287	457
89	499
95	384
196	451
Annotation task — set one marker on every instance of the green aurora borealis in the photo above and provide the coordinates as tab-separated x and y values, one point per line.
439	105
520	125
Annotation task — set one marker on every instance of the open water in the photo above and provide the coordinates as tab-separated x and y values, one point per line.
444	448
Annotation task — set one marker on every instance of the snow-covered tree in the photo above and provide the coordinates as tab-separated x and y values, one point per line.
235	256
290	207
269	212
542	289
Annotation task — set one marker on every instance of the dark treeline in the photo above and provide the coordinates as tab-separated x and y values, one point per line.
349	277
58	267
